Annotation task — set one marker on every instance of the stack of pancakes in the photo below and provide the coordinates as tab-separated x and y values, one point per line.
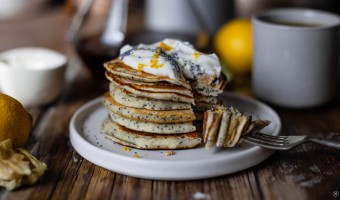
156	93
148	111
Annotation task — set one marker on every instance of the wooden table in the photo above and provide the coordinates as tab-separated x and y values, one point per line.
309	171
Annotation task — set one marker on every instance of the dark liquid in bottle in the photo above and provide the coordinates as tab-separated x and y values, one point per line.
94	53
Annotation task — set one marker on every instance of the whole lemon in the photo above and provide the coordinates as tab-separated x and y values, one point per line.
233	44
15	121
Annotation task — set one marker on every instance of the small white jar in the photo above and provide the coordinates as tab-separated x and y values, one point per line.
32	75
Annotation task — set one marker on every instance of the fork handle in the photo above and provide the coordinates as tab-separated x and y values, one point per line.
326	142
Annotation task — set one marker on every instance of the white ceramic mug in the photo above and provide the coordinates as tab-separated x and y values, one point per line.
176	16
295	57
34	76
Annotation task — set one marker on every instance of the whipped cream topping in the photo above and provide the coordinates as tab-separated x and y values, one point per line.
152	60
172	58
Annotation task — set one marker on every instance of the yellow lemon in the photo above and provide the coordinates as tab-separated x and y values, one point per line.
233	44
15	121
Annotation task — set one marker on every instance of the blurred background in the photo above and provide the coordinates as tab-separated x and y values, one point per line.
81	24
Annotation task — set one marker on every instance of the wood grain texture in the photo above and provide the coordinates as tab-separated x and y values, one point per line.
309	171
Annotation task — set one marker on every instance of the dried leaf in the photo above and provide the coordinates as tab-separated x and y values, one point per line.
18	167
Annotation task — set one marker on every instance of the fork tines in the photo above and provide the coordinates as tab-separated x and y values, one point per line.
266	139
269	137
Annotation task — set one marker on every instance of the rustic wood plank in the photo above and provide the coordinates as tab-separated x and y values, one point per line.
160	189
272	180
138	188
66	180
193	189
212	189
177	190
217	188
79	187
302	172
240	186
100	185
120	188
256	194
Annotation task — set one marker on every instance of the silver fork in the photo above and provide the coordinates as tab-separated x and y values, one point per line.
285	142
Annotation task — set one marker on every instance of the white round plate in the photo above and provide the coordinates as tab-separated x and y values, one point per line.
188	164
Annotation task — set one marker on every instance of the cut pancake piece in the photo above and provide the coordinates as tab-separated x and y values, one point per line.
142	140
128	99
160	128
211	124
118	68
256	126
145	115
222	133
149	94
231	126
242	123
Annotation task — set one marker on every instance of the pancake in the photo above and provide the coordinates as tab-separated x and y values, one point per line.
142	140
157	87
206	99
225	126
128	99
242	122
232	128
145	115
211	126
222	133
204	103
149	94
150	127
256	126
209	86
118	68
